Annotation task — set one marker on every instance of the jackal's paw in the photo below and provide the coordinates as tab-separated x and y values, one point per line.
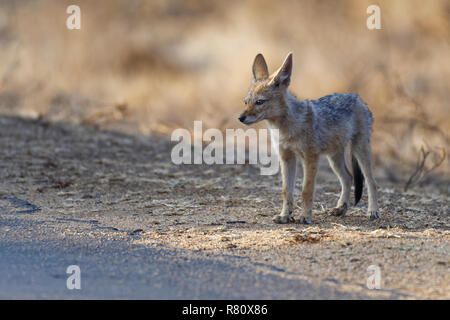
282	219
305	220
374	215
339	211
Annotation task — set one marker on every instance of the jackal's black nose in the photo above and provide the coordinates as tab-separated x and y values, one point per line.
242	118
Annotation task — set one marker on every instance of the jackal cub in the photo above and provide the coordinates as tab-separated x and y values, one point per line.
308	129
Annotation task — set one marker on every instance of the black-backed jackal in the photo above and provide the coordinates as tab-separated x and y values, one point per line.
308	129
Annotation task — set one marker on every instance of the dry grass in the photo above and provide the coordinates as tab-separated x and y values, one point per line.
167	63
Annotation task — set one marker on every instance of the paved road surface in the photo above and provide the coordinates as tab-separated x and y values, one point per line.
34	268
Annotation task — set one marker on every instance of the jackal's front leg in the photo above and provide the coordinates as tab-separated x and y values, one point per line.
309	178
288	162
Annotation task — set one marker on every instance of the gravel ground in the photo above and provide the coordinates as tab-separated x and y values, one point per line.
117	205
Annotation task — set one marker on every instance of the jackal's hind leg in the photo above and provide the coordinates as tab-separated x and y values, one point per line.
337	163
363	155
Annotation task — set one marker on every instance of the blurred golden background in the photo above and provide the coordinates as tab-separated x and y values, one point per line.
152	66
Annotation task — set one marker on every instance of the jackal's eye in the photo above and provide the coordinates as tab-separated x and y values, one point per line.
259	102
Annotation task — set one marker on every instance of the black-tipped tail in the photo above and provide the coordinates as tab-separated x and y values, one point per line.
358	179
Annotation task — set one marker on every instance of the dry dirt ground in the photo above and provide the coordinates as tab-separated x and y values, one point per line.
78	173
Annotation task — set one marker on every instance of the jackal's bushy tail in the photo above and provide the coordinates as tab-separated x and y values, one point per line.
358	179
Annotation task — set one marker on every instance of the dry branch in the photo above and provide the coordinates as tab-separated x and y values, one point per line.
420	170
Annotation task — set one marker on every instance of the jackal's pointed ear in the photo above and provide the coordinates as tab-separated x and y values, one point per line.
283	75
260	70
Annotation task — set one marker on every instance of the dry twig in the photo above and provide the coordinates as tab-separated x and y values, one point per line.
421	171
